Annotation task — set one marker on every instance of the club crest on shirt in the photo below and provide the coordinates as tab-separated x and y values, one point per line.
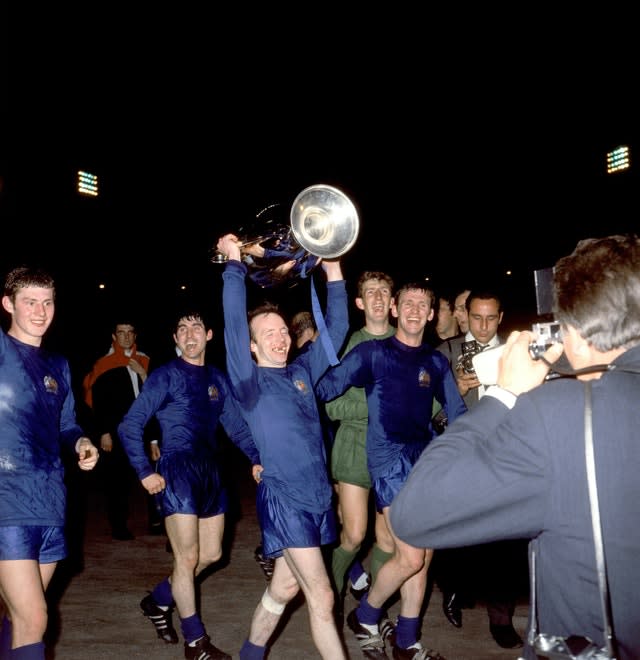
214	393
301	386
424	379
50	384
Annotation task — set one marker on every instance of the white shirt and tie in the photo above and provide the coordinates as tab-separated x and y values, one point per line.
495	341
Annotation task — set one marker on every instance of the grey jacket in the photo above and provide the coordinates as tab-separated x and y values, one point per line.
506	474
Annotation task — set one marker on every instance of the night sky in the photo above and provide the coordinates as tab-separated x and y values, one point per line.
452	161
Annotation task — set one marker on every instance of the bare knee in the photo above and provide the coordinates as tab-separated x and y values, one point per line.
351	538
29	629
213	556
187	562
321	601
410	562
283	590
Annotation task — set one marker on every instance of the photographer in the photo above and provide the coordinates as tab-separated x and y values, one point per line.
521	454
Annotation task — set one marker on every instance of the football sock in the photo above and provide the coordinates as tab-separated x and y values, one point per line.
407	631
341	559
378	558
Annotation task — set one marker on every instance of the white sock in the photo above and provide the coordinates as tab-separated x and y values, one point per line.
373	629
361	582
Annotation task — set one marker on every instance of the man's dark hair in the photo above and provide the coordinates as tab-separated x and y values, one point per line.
483	294
597	291
448	295
123	320
25	276
191	314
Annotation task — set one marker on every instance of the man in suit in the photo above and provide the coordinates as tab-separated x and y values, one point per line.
493	568
520	451
110	388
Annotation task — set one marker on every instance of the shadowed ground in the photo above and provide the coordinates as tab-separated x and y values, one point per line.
95	596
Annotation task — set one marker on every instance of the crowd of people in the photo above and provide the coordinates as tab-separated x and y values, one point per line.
394	457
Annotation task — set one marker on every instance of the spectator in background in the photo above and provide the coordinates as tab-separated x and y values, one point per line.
109	389
303	329
493	569
460	310
445	324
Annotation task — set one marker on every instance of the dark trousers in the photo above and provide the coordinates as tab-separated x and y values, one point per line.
116	479
496	573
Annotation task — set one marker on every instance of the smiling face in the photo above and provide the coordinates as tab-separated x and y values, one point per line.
191	338
375	301
32	311
412	309
270	340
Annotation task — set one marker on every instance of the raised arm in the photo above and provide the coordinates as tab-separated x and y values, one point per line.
241	367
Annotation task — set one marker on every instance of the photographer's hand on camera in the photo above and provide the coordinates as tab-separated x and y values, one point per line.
518	371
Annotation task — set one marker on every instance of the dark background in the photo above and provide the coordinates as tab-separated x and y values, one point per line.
472	144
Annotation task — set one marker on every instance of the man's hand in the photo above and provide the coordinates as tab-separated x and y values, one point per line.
229	246
88	454
518	372
333	269
138	368
466	381
154	483
154	451
256	473
106	442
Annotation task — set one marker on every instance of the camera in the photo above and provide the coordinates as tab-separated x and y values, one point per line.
574	647
469	349
546	334
484	363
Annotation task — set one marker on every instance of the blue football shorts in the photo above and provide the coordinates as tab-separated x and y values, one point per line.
43	544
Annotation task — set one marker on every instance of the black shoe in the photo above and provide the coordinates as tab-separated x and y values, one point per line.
359	593
505	636
267	564
161	620
451	609
387	629
416	652
156	529
371	644
122	535
203	649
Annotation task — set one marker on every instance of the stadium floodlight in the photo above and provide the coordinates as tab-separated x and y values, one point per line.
87	184
618	160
